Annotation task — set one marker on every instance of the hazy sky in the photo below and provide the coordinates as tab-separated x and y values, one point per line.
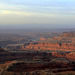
38	13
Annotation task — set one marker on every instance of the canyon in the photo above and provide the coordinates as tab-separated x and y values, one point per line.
40	54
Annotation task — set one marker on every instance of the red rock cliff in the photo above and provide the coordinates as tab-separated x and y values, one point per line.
49	46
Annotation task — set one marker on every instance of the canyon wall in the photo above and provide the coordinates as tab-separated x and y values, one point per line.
49	46
67	49
69	56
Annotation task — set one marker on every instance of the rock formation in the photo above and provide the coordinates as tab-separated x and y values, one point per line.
49	46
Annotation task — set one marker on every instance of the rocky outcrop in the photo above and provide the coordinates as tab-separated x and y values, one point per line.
71	56
68	34
32	66
42	38
49	46
67	49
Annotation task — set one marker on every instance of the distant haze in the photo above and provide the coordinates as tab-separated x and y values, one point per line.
35	14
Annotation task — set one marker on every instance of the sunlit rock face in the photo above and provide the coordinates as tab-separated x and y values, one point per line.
49	46
69	48
42	38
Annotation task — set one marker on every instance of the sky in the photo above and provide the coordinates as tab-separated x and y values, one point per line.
37	13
